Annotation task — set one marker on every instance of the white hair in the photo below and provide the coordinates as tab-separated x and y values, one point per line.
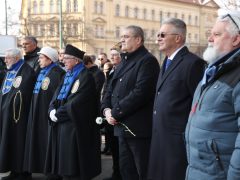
15	52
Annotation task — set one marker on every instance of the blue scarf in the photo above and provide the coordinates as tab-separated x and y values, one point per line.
69	78
213	69
11	74
41	77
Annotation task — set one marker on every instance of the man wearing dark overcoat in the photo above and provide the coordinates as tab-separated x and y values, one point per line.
128	103
180	74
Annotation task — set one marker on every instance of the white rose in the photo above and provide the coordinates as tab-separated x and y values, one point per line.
99	120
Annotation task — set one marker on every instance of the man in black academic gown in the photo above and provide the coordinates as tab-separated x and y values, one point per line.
37	131
74	142
15	97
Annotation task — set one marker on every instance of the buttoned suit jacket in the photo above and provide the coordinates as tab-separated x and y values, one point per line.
174	93
130	94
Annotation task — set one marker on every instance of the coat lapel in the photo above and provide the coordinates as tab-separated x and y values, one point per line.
176	61
126	66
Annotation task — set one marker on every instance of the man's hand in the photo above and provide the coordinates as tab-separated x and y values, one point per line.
109	118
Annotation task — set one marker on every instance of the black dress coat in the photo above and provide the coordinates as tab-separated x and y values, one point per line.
37	130
131	92
174	93
13	134
99	79
74	140
32	59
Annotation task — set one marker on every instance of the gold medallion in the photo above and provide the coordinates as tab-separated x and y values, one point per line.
17	81
75	86
45	83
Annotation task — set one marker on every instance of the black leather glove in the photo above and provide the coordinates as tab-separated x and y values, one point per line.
62	114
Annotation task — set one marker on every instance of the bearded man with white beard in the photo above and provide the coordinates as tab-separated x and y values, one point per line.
212	133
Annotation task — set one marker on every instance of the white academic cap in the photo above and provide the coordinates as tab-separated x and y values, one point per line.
235	14
49	52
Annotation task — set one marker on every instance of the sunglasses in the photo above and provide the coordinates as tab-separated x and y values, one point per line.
100	59
163	35
234	22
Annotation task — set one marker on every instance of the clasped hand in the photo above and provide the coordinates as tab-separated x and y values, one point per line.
109	118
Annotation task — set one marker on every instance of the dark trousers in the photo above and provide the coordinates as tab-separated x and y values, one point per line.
133	157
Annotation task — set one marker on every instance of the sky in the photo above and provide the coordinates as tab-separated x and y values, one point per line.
13	13
14	7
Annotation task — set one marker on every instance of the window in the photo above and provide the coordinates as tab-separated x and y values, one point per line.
117	10
51	30
161	16
176	15
101	8
144	14
95	6
153	14
35	7
51	6
189	37
189	19
75	6
42	30
183	17
58	6
145	31
35	30
196	20
153	33
99	31
126	11
135	12
168	14
41	6
75	29
117	32
196	38
68	29
99	50
68	6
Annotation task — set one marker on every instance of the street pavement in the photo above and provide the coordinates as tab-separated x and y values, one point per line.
106	170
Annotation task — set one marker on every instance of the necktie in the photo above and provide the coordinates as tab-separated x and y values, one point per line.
168	62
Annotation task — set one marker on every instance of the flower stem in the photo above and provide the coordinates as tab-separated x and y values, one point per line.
127	129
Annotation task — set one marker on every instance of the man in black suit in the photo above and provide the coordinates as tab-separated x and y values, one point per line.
128	103
181	72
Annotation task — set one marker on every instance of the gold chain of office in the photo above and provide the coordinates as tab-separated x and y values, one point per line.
16	119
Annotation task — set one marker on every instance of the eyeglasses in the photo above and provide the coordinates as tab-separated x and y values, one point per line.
100	59
234	22
163	35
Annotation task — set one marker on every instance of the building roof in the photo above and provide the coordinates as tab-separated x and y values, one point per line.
210	3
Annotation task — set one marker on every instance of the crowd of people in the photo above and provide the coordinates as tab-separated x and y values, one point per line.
176	121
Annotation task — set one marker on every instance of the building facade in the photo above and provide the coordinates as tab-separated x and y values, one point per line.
95	25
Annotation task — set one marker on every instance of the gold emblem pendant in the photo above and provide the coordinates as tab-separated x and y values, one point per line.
17	81
75	86
45	83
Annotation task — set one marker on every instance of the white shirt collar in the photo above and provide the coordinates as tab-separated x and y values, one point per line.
175	52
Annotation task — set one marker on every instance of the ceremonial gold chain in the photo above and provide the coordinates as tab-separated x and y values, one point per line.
16	119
